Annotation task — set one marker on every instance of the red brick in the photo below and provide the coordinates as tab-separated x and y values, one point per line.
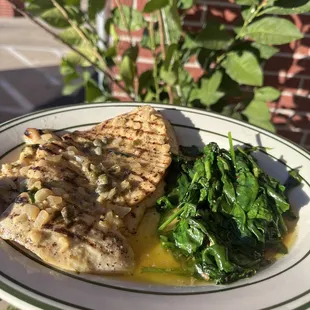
301	121
137	33
123	2
141	4
280	119
141	67
6	9
306	85
295	102
195	72
302	103
122	47
143	52
224	15
286	102
195	13
282	83
117	89
294	136
299	46
289	65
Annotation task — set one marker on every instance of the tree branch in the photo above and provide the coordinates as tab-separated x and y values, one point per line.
123	17
78	30
163	49
168	41
108	73
153	47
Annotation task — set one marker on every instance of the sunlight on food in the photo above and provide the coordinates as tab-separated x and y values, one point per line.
149	253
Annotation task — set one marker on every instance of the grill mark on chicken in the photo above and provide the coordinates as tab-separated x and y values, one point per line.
137	130
130	118
47	149
59	145
83	238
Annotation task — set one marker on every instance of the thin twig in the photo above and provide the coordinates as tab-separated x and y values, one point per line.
123	17
93	29
108	73
163	49
153	48
168	41
78	30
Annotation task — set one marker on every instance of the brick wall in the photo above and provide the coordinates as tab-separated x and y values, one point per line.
289	70
6	9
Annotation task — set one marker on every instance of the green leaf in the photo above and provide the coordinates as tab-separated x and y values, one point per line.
78	60
173	11
127	71
169	76
207	93
133	18
38	7
170	52
68	71
188	235
94	7
273	30
132	52
247	2
54	18
92	90
70	36
265	51
146	40
154	5
69	89
244	68
205	58
258	114
111	31
287	7
267	93
111	52
246	12
189	41
72	2
172	24
185	4
66	67
213	37
145	80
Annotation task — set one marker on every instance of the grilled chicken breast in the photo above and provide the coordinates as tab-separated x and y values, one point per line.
71	196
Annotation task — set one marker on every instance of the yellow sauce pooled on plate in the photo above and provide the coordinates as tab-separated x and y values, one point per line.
149	253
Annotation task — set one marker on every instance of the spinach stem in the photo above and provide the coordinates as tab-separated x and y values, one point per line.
170	219
232	150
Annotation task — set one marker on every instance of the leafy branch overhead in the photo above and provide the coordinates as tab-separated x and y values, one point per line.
231	82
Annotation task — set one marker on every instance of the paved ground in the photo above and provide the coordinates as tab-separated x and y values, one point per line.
29	76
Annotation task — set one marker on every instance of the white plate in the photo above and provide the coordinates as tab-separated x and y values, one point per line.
28	283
